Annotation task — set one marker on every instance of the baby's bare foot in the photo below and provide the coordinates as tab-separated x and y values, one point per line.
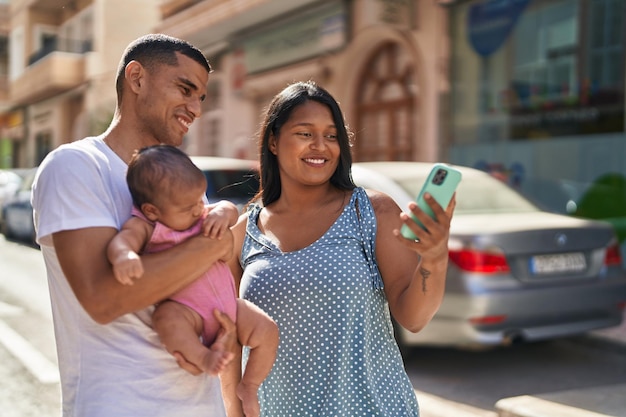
215	361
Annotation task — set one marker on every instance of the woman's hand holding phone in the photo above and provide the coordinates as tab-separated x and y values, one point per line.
441	184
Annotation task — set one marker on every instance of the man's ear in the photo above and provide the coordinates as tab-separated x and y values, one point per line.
150	211
134	74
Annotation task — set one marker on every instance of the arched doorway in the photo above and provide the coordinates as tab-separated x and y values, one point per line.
385	105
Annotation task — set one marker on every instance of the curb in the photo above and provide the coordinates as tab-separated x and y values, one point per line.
606	401
433	406
528	406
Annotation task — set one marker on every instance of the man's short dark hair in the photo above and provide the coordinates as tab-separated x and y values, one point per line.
154	49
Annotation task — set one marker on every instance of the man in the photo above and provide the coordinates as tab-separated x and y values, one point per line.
110	359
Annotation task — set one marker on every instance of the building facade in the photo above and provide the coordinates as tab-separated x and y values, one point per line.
537	95
383	60
533	89
61	72
5	117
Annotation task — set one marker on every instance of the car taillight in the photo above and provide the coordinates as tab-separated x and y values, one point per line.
489	262
613	256
487	320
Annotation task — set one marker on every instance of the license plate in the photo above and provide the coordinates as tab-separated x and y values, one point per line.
552	264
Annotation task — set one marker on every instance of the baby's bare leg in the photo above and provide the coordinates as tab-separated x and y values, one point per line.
179	328
258	331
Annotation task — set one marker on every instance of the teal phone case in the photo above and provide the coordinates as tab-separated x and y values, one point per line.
441	184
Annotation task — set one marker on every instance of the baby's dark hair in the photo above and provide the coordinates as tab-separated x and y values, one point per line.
160	170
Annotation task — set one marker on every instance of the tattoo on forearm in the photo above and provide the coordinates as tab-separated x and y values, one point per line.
425	273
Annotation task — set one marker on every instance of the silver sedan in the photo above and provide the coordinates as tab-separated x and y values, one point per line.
516	273
16	212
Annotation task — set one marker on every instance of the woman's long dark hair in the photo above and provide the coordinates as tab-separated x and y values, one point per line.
278	112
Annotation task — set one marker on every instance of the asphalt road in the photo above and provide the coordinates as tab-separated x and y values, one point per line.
480	379
26	336
470	383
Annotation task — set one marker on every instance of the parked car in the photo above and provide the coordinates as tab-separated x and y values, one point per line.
232	179
17	212
603	199
10	182
516	273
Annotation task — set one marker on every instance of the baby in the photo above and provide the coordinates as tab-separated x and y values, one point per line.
168	193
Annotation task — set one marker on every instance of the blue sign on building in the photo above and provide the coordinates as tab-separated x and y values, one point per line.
491	22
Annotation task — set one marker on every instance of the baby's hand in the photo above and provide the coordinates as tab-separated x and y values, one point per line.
126	267
214	226
220	217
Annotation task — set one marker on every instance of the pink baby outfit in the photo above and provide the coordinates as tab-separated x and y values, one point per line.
213	289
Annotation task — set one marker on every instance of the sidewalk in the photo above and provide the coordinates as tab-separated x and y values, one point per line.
433	406
608	401
604	401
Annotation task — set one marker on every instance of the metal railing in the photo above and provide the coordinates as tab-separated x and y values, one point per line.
77	46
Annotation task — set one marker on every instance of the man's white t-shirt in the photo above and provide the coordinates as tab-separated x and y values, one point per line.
119	369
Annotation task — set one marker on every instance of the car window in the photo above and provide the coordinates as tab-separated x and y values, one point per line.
491	196
479	194
238	186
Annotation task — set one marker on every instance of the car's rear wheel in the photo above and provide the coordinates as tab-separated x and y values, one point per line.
6	230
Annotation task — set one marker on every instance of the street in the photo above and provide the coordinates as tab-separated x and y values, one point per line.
30	382
480	379
477	379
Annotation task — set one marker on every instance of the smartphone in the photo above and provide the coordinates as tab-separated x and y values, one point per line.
441	184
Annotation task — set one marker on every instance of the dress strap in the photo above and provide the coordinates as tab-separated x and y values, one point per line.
368	229
253	211
252	230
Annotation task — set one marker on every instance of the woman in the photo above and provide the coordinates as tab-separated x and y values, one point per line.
302	256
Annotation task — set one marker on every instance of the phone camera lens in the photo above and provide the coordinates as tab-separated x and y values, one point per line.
440	175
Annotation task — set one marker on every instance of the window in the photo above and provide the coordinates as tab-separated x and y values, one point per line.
545	46
385	107
43	143
605	64
16	53
557	70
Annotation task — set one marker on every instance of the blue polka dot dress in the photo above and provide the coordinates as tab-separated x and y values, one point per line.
337	354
